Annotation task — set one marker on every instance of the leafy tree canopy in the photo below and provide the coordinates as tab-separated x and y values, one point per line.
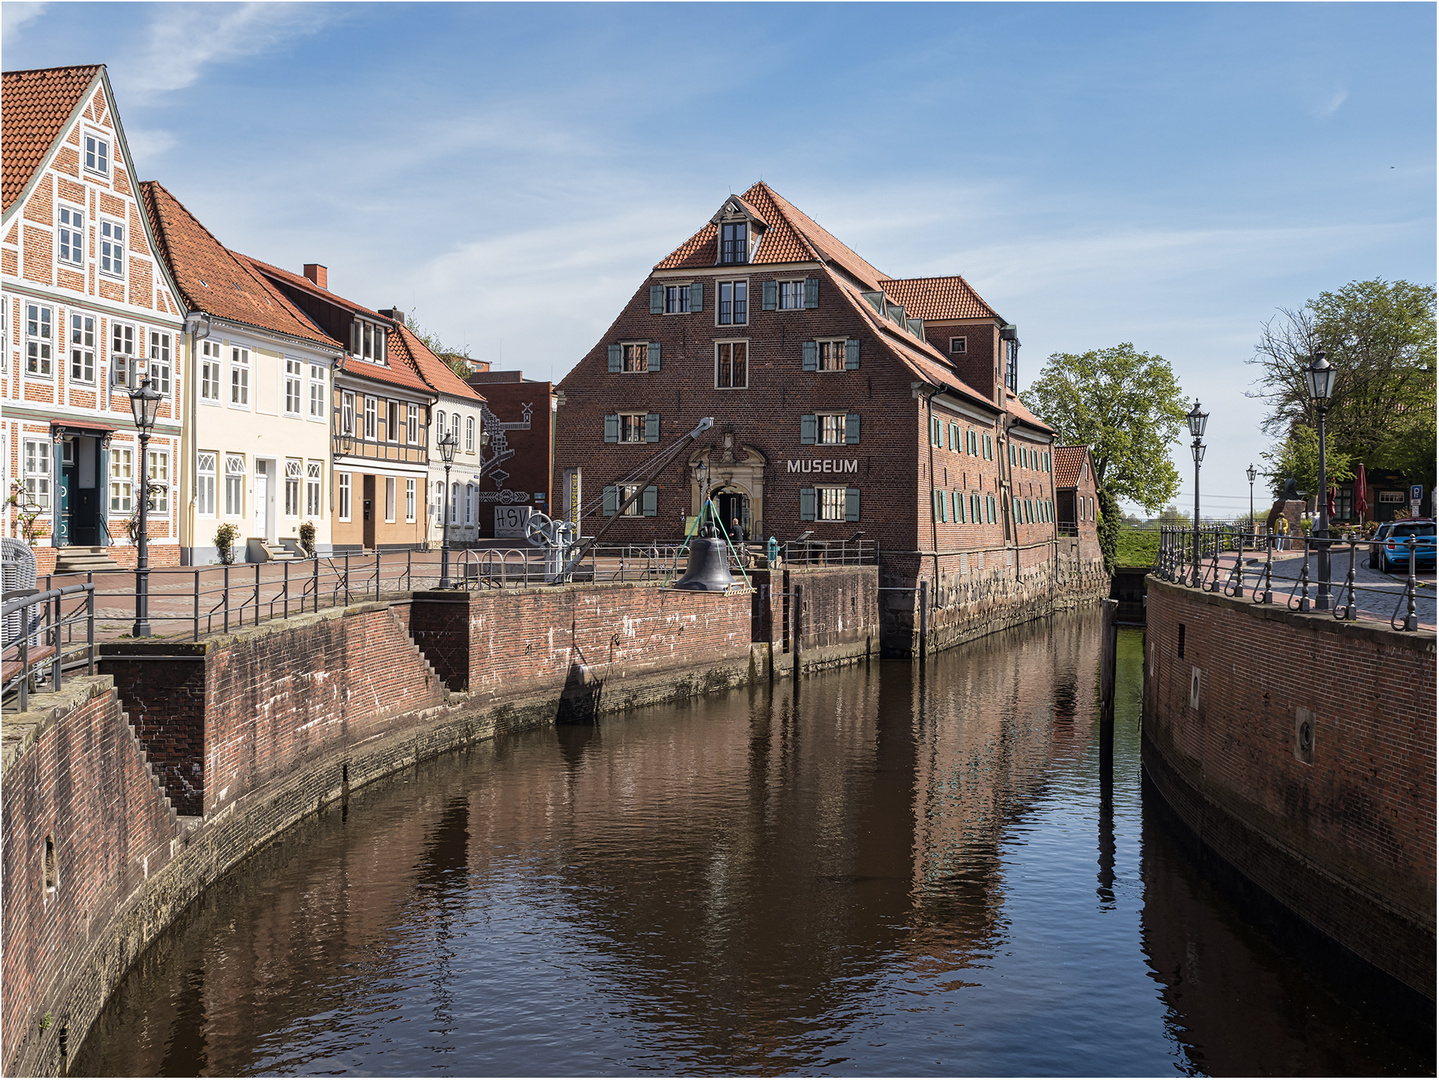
1379	336
1126	406
1298	456
457	360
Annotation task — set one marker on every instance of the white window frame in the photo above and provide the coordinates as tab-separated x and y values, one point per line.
294	386
392	420
157	474
239	377
160	366
112	249
410	499
634	357
70	235
234	485
211	371
677	299
795	290
317	392
957	346
632	498
469	434
294	477
37	462
96	154
828	496
725	313
347	412
122	479
455	503
720	346
439	502
372	417
39	341
390	496
81	347
829	354
632	427
205	483
412	424
469	504
342	496
314	488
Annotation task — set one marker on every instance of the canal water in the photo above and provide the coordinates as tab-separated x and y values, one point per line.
891	871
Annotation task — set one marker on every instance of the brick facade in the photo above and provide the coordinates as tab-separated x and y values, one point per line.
1337	824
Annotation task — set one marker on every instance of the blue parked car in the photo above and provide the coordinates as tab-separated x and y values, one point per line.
1394	552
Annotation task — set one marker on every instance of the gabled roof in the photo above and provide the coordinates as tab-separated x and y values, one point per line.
213	280
938	299
1068	460
1016	408
405	345
35	108
304	284
791	236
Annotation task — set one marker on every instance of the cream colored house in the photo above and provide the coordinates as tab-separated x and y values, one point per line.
257	407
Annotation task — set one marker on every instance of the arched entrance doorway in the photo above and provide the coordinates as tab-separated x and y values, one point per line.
732	476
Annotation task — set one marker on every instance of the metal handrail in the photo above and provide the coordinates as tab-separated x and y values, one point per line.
55	624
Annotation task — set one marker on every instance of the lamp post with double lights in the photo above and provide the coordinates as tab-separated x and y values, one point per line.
448	443
1249	472
1320	377
145	405
1197	418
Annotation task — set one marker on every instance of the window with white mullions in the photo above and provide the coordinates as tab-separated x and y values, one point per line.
70	236
112	248
831	503
234	485
160	362
37	471
317	392
632	427
240	378
158	474
371	417
82	348
38	338
314	488
122	479
97	155
294	371
210	371
293	470
205	483
733	307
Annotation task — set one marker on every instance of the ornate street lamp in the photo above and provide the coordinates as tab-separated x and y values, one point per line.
1320	377
1249	472
1197	418
145	405
448	444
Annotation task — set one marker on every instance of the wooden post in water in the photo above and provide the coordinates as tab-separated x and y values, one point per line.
923	621
796	622
1108	646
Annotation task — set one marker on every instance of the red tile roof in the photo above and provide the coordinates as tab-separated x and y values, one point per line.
1016	408
406	345
792	236
34	108
213	280
938	298
1067	463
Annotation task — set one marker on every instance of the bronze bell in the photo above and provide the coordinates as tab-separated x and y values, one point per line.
708	568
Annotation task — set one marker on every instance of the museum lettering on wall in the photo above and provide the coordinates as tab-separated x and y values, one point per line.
822	465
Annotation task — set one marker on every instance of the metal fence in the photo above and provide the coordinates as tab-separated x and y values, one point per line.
45	642
1201	559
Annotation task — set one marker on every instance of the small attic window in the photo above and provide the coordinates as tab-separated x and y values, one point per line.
734	242
367	340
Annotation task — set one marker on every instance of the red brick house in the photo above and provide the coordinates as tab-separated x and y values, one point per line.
845	402
1076	499
519	451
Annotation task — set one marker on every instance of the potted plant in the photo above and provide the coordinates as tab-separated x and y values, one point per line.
307	538
225	537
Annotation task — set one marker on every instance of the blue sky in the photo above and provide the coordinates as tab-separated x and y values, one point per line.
1169	174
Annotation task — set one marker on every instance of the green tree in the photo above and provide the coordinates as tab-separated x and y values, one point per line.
456	360
1108	527
1170	516
1298	456
1379	336
1126	406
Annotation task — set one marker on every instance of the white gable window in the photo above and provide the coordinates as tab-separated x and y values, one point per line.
112	248
70	236
122	355
97	155
368	340
160	362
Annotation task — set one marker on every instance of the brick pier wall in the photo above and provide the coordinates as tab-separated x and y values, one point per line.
835	610
1300	750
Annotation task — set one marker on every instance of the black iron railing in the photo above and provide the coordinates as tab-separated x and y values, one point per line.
44	642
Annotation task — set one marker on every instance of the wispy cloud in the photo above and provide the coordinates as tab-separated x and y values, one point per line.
1330	107
16	13
182	40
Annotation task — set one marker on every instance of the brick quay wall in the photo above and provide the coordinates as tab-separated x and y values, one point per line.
129	793
1299	749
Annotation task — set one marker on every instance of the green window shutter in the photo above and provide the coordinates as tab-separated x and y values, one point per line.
811	292
851	504
612	427
807	427
851	427
652	427
851	354
811	356
697	296
616	359
657	299
653	362
612	501
806	504
651	501
770	298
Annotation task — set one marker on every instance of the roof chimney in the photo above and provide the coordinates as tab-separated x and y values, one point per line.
393	313
318	274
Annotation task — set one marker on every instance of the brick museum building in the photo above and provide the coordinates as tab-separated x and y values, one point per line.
846	403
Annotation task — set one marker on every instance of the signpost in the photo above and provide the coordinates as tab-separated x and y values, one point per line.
1416	496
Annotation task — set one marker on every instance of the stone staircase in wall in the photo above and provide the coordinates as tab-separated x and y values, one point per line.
84	560
257	549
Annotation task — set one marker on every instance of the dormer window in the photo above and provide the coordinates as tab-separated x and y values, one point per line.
367	340
734	242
